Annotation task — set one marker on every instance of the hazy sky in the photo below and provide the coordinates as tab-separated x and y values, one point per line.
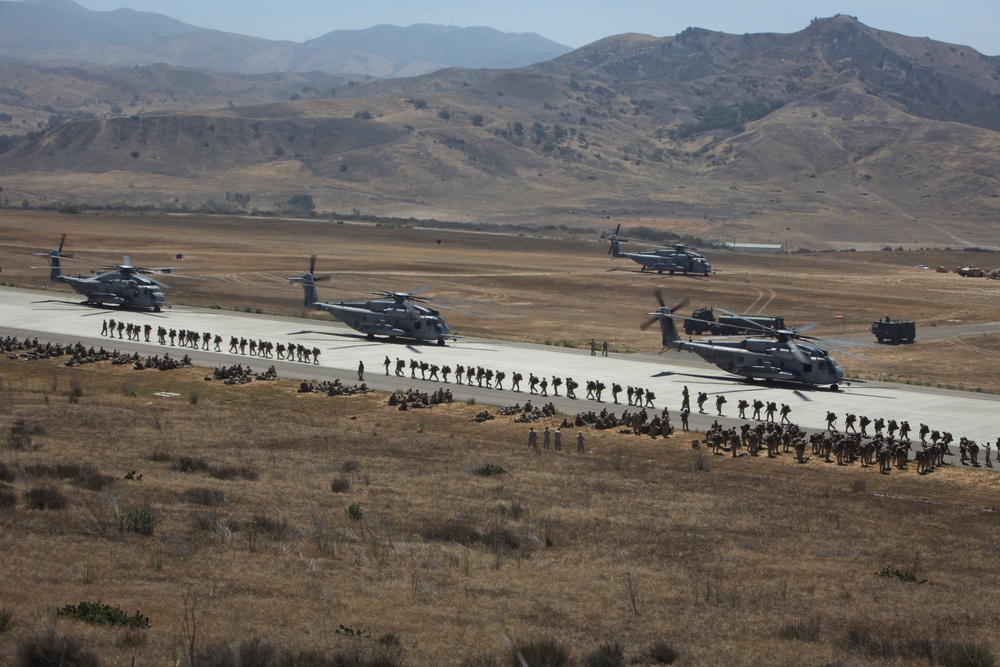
975	23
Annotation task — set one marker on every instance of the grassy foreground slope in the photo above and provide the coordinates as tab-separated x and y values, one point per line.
340	526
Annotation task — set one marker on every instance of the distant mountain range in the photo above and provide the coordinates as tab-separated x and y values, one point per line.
837	134
65	33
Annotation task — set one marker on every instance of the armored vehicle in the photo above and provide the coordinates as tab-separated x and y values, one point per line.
894	331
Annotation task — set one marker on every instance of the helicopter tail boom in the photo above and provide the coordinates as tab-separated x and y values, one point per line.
671	338
55	267
311	296
54	257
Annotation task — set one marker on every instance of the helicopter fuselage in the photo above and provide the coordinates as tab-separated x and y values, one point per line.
769	359
386	317
671	263
672	260
117	287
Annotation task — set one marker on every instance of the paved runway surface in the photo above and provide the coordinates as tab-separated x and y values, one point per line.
58	316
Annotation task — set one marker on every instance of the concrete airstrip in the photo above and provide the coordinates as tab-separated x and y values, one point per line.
59	317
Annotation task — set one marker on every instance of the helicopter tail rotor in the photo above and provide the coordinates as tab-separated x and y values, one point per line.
308	281
665	317
54	257
614	249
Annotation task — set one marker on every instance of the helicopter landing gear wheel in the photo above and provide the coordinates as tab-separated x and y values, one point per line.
156	309
440	342
834	387
370	337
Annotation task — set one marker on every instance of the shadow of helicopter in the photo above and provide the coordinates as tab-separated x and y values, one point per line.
102	309
365	342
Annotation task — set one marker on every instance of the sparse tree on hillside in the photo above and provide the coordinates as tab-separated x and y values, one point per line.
301	202
478	120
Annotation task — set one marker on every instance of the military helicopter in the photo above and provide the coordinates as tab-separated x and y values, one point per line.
770	354
677	259
396	314
121	284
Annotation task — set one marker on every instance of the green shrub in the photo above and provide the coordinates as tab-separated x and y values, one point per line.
354	512
350	466
45	498
96	613
137	519
902	575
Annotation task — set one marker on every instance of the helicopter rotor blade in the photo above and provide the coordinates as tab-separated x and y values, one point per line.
797	352
312	272
419	290
158	283
660	314
663	304
650	322
178	275
61	242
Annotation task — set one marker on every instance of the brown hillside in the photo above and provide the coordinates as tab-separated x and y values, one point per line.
836	134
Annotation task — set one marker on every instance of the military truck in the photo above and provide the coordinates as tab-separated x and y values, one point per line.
894	331
704	319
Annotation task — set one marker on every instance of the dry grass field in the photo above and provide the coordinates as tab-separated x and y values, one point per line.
234	533
239	542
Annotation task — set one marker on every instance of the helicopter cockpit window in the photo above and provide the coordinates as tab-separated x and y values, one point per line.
416	325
